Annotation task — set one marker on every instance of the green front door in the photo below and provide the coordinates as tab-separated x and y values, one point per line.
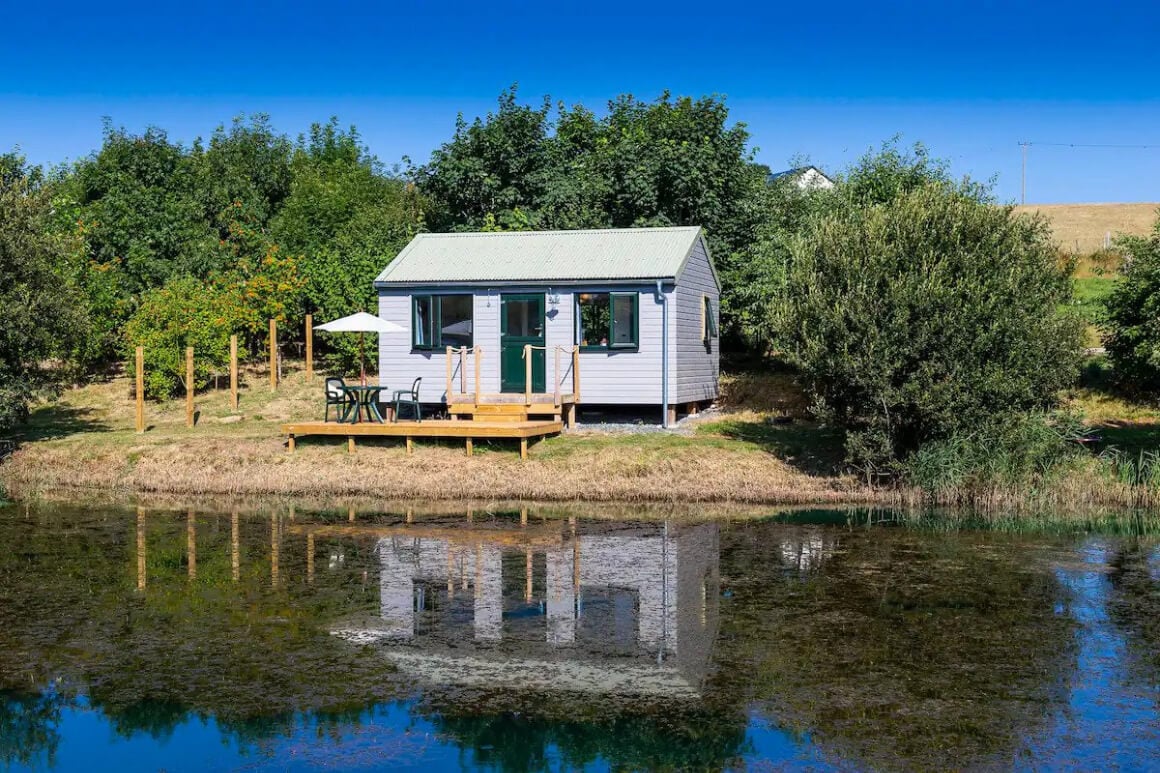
521	322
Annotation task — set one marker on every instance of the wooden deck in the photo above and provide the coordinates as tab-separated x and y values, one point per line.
409	430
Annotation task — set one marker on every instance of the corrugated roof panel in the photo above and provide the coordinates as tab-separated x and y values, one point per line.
547	256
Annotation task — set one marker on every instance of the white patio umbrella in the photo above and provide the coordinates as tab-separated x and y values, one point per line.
361	323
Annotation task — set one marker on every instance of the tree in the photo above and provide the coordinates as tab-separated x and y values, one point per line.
43	316
1134	315
931	313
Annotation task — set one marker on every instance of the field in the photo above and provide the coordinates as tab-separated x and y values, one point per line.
1081	228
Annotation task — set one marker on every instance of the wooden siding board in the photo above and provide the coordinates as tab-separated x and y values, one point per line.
615	378
698	366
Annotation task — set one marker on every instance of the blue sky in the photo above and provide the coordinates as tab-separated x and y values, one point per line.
822	80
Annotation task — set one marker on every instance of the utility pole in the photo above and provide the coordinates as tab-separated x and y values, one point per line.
1023	185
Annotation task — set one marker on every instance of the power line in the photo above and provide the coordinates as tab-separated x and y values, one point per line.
1092	145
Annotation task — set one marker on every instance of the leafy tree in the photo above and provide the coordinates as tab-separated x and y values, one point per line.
43	318
927	315
1133	315
346	218
185	312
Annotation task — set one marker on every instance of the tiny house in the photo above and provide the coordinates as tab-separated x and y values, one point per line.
622	317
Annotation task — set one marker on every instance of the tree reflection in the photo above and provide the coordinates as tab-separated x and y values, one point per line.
1134	604
28	728
928	650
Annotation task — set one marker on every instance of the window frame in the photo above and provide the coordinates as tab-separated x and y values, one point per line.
435	331
610	333
709	326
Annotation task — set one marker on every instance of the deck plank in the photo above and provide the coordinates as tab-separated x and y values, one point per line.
431	428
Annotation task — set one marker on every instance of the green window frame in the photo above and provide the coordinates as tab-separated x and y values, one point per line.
427	323
709	319
623	326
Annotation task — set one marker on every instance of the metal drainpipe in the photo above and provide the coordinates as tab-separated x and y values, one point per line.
664	354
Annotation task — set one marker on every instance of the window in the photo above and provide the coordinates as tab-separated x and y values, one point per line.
439	321
607	321
708	320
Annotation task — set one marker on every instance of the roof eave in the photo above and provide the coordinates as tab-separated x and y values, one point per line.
485	283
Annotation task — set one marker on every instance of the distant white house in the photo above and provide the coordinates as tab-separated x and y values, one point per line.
806	178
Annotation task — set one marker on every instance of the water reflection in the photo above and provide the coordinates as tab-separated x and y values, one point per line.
524	640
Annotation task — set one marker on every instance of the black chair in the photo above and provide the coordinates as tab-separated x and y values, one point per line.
408	397
338	396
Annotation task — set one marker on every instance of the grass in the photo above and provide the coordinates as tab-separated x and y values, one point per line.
85	442
1082	228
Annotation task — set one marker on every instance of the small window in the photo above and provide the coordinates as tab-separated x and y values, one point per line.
439	321
607	321
708	319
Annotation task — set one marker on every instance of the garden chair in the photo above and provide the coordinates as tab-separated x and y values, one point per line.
408	397
337	396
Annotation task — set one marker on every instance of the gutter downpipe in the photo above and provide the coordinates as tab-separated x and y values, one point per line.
664	354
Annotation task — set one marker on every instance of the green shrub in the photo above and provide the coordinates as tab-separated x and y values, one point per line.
927	317
185	312
1133	316
1021	450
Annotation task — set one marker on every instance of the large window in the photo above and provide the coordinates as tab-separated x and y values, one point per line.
607	321
439	321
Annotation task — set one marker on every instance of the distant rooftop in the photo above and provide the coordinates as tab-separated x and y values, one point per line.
543	256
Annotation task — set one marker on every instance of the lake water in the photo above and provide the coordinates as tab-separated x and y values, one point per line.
533	640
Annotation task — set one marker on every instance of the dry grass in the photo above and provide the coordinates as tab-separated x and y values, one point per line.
85	441
1081	228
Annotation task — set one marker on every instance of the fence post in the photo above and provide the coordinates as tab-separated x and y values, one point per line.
528	374
576	374
233	373
189	386
309	347
273	355
140	424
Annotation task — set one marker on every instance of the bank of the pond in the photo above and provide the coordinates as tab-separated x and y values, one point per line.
85	443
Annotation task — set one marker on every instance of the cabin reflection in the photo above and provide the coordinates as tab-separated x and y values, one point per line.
595	607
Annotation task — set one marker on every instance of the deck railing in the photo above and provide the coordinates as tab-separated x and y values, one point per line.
557	397
463	351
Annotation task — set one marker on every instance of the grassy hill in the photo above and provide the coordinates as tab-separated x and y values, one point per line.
1081	228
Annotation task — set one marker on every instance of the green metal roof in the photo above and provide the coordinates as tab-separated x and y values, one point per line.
543	256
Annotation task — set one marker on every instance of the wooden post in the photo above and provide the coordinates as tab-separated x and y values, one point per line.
478	357
528	575
350	444
469	448
449	350
189	386
140	389
528	374
233	373
462	370
523	448
556	378
309	347
576	374
273	355
290	444
410	445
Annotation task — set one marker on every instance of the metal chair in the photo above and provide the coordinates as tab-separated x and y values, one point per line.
339	397
408	397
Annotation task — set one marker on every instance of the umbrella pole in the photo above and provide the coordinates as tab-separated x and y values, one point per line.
362	357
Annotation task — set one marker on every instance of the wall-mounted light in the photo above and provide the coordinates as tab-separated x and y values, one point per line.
553	298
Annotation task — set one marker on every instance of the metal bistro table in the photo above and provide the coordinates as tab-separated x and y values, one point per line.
364	398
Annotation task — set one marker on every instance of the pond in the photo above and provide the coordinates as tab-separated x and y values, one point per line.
534	639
